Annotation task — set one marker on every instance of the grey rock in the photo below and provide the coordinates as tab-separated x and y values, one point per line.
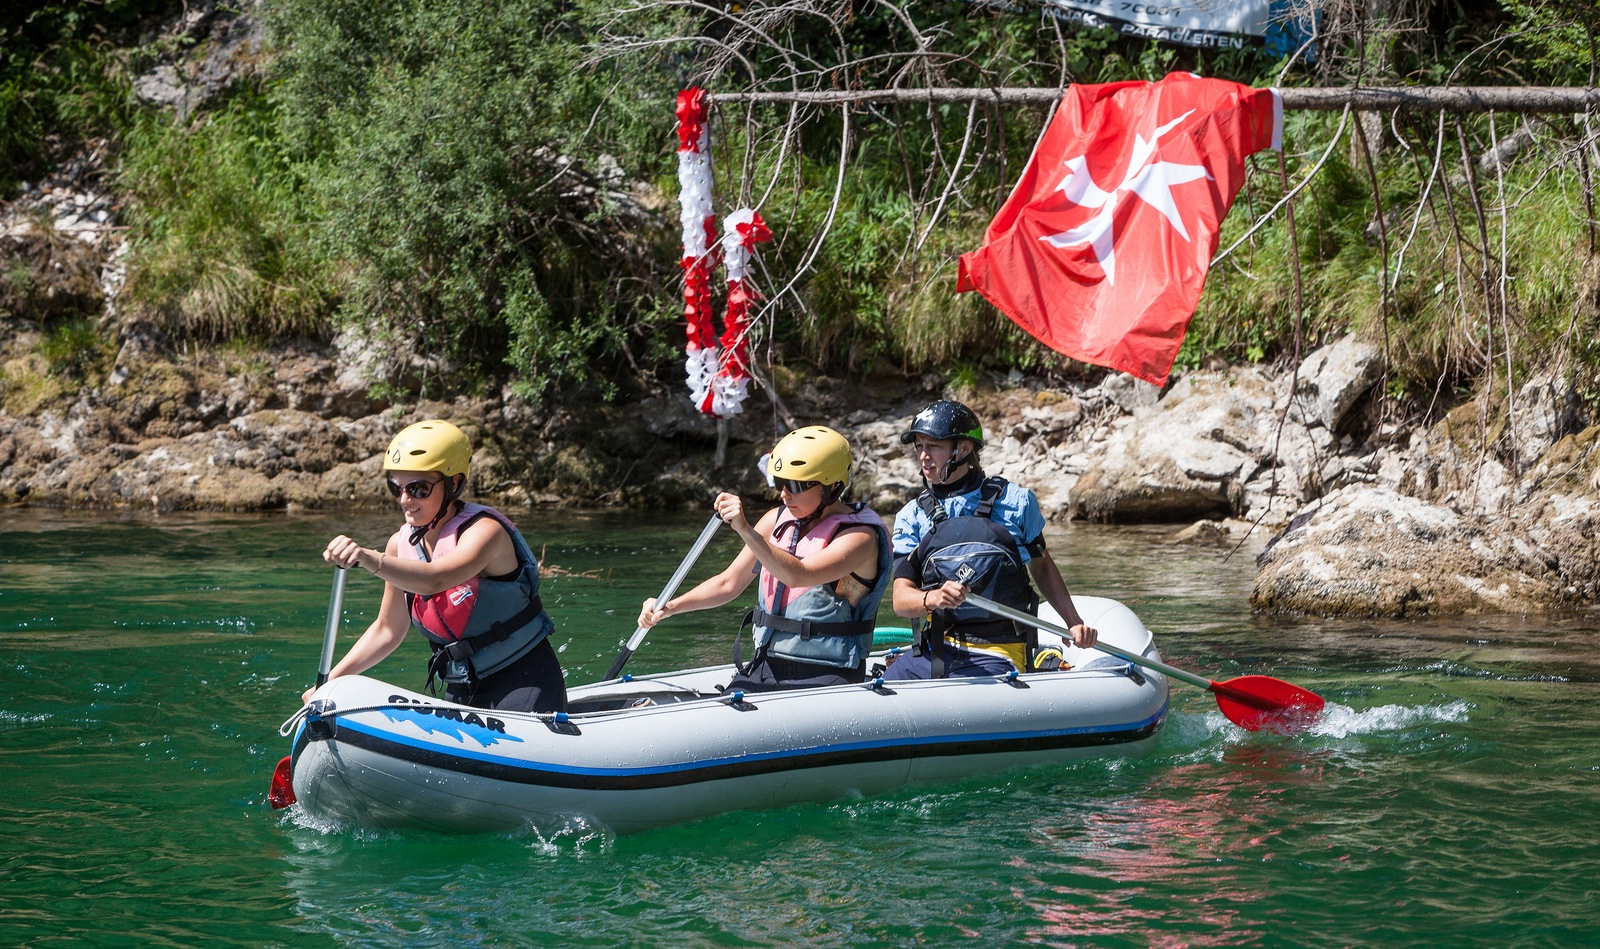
1371	551
1333	379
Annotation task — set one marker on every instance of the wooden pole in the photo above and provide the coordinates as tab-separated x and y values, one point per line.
1525	99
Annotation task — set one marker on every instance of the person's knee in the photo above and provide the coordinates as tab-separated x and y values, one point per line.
906	668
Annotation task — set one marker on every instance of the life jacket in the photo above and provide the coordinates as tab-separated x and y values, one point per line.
818	624
483	625
978	551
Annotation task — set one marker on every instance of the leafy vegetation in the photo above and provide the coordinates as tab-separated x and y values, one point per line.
220	239
55	87
490	186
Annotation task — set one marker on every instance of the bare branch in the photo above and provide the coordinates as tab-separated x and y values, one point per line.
1523	99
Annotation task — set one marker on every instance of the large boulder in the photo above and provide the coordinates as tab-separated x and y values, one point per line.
1562	511
268	459
1332	381
1373	552
1188	457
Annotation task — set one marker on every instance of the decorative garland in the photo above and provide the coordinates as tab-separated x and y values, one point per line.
717	384
742	230
699	242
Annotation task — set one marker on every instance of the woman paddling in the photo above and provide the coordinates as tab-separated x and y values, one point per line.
823	563
462	574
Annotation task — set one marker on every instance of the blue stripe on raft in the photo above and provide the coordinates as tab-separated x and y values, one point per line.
517	771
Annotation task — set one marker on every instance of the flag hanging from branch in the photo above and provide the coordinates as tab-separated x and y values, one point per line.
1102	249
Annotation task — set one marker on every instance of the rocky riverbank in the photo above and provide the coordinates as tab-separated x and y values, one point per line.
1492	507
1486	510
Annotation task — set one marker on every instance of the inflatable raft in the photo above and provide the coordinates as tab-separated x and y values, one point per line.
640	752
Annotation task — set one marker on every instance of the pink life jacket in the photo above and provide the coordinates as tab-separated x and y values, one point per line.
482	625
817	624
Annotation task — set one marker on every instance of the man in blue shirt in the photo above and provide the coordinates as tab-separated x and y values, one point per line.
967	533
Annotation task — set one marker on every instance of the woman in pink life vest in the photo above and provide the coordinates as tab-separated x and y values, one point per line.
823	563
462	574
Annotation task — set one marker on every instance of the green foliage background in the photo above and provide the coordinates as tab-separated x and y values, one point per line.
490	186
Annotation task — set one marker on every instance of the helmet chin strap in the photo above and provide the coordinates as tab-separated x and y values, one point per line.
452	490
830	494
954	463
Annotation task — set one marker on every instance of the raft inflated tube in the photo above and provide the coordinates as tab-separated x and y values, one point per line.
890	635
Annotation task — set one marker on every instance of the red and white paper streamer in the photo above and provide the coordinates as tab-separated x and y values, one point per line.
699	242
742	230
718	382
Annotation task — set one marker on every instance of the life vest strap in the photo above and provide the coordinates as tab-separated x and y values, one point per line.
989	492
464	649
989	633
808	628
998	632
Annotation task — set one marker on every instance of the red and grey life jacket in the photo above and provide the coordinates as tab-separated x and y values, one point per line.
481	626
818	624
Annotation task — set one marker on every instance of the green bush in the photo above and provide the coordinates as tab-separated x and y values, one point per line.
432	172
445	146
222	244
76	350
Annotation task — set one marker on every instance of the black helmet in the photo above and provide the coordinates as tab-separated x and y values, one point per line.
944	420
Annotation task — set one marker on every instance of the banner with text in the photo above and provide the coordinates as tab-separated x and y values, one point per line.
1211	24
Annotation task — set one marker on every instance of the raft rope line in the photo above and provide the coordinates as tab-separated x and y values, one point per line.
287	728
1103	664
718	372
544	718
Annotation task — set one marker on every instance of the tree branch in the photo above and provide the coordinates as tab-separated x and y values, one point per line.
1521	99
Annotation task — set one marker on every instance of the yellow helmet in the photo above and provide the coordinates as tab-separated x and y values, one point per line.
433	445
813	453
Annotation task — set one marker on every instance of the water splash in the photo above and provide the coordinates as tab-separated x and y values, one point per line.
1342	721
1336	721
573	835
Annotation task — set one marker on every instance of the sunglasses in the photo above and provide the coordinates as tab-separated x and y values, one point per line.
417	490
794	487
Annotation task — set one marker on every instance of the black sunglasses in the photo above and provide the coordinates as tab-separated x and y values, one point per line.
418	489
795	487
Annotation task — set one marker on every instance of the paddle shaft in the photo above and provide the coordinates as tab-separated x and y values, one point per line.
1252	702
1138	660
335	608
639	634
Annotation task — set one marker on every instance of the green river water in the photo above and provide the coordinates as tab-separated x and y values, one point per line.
1451	797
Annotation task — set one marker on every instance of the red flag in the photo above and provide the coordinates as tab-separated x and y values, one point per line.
1101	250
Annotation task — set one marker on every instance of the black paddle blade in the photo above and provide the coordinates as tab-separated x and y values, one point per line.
1257	703
616	667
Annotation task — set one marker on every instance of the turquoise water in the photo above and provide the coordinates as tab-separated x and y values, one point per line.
1451	796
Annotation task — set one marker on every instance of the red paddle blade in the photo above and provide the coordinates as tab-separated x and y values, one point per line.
1262	702
281	794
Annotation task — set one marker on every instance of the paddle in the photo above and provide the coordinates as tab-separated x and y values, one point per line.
281	792
335	608
666	593
1252	702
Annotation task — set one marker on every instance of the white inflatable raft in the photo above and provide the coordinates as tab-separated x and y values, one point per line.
642	752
